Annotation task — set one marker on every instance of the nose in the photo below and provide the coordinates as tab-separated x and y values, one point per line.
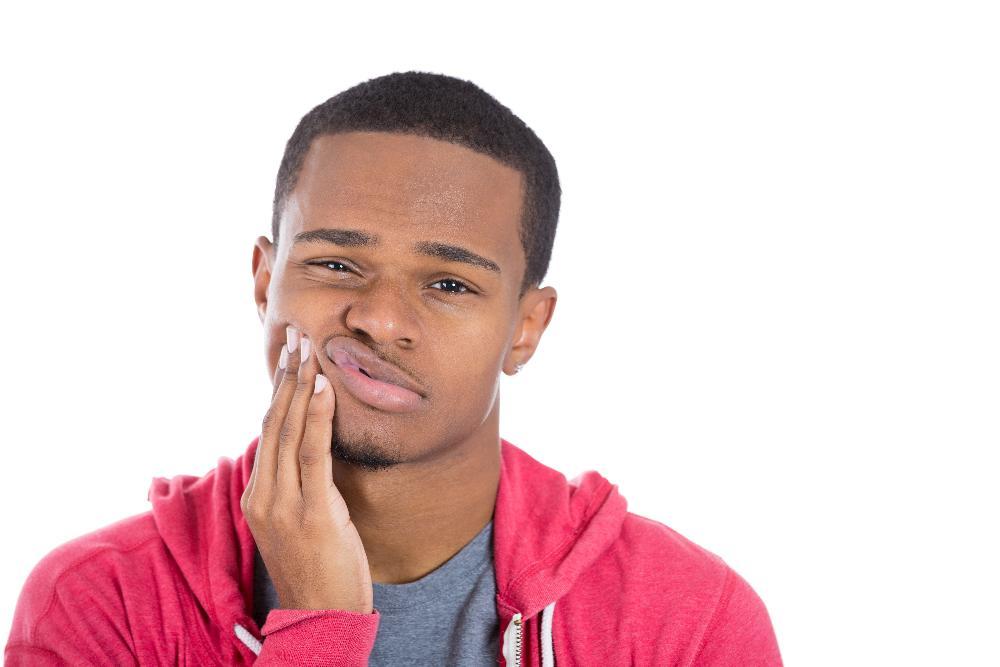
382	311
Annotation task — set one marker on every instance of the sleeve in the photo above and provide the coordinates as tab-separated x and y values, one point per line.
318	637
740	631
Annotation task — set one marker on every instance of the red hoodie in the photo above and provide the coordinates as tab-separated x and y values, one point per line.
580	581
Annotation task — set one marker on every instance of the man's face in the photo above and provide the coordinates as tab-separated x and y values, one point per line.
452	338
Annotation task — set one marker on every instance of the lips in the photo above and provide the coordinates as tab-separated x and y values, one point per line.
350	353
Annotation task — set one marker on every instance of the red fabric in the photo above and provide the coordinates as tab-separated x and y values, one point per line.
168	586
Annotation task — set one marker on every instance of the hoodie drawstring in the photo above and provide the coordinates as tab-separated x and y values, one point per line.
548	656
247	638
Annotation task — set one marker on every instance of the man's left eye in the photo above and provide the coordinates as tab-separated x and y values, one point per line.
464	288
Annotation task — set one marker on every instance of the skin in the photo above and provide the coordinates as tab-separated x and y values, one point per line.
344	494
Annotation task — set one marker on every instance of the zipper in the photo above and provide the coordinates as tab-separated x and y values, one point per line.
513	633
517	644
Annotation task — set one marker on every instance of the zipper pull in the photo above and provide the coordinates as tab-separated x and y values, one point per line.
512	641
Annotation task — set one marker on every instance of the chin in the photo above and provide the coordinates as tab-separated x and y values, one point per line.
372	447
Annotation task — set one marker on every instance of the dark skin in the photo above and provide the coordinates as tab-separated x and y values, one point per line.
349	490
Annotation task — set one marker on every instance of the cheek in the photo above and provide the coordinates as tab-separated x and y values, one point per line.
472	373
302	308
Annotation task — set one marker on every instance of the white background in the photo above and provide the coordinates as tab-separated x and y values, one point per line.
777	264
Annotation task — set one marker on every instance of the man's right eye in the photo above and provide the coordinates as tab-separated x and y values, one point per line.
327	263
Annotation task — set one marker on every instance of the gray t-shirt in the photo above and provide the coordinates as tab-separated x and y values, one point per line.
448	617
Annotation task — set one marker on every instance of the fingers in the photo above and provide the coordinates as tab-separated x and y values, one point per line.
315	453
302	367
264	475
279	372
294	460
252	482
253	475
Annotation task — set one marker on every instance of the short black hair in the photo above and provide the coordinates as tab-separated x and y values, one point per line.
450	109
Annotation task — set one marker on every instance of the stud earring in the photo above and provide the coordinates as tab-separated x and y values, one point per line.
518	368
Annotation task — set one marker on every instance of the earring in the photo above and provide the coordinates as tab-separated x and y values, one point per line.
518	368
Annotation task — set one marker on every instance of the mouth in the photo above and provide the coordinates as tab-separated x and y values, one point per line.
371	380
384	396
360	369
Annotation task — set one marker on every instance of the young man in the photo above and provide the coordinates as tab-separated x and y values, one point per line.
379	518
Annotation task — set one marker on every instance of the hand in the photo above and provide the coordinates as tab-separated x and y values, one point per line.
298	518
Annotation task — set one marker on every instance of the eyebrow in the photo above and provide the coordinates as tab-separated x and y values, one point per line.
352	238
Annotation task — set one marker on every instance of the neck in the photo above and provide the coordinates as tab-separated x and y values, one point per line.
412	518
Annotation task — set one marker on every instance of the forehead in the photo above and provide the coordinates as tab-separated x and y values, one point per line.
402	187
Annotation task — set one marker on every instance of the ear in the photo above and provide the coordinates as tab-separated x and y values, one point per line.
262	265
536	309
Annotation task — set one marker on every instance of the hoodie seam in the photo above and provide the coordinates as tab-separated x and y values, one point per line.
71	568
723	598
26	647
541	562
562	546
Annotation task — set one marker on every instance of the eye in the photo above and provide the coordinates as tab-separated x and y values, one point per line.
327	263
463	287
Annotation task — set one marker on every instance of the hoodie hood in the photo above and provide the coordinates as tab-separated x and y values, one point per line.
547	531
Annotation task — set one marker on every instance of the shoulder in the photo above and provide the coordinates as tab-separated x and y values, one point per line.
110	544
658	553
86	573
690	591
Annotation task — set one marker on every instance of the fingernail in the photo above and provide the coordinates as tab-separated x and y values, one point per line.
293	338
305	349
283	357
320	384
